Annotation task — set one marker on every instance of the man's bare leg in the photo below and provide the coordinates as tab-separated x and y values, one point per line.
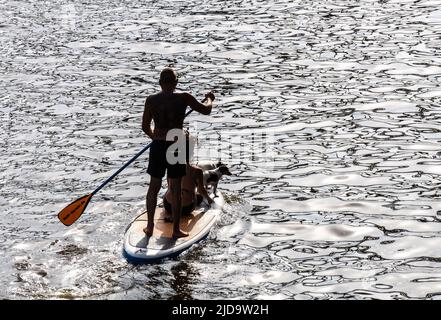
151	201
175	190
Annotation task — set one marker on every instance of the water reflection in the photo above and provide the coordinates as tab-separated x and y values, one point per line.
184	276
344	95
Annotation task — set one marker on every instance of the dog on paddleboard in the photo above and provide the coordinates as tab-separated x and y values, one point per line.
212	177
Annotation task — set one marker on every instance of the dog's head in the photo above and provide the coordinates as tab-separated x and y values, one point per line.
219	164
224	170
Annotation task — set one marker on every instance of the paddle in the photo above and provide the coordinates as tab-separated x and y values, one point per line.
73	211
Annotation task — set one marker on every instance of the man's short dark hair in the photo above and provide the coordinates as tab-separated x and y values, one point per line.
168	75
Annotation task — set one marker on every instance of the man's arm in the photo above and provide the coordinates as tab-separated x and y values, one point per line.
147	119
200	184
205	107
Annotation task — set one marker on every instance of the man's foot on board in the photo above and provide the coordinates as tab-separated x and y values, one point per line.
179	234
148	231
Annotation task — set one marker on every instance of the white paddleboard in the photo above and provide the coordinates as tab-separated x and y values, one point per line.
138	248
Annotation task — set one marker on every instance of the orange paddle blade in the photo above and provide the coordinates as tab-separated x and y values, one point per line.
72	212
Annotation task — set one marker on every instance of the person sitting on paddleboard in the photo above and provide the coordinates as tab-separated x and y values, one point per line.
194	179
167	110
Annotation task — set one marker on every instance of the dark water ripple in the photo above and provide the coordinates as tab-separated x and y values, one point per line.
344	97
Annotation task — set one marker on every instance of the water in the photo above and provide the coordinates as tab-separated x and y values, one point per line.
344	96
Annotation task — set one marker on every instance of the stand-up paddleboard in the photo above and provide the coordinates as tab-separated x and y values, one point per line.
138	248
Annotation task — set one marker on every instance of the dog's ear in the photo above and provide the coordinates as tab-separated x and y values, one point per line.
224	170
219	164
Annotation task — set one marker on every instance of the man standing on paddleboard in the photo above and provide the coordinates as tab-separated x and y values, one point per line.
167	110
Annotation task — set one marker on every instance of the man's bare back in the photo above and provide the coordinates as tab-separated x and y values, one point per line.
168	112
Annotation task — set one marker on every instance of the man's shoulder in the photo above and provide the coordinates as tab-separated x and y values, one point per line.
152	96
185	95
148	100
159	96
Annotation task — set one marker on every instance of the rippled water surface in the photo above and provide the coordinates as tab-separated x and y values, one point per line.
344	96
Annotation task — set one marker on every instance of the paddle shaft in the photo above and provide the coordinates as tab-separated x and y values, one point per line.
127	164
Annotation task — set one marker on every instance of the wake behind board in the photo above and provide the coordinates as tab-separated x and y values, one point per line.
138	248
